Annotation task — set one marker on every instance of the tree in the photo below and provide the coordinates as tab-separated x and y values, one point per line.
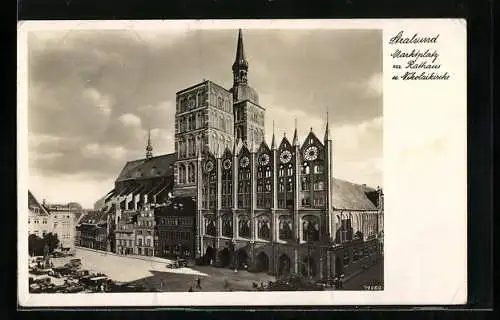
51	240
35	245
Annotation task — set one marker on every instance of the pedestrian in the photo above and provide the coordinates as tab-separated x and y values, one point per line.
198	282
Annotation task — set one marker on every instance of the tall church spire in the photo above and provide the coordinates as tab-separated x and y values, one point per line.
295	135
240	65
149	147
327	130
273	141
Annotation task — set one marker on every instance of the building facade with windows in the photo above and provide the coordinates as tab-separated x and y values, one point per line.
145	232
58	219
39	220
175	228
125	234
64	221
93	231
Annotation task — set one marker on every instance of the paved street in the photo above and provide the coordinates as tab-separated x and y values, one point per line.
154	273
373	276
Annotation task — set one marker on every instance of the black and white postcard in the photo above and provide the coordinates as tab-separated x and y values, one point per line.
199	163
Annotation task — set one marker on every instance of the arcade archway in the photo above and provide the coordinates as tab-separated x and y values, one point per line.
225	257
284	264
262	262
308	267
242	259
210	255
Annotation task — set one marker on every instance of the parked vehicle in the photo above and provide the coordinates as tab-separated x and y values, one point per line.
180	263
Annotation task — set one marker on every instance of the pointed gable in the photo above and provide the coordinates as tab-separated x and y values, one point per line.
227	154
285	144
263	148
311	140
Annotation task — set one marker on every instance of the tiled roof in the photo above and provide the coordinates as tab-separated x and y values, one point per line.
33	203
179	206
94	217
351	196
160	166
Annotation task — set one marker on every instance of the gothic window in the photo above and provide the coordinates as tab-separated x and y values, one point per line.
289	185
210	228
318	185
191	173
281	185
182	173
199	98
192	121
318	168
306	201
310	229
244	227
305	183
227	226
285	229
219	102
239	132
306	168
264	228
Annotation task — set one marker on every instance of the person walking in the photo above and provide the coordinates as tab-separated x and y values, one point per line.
198	282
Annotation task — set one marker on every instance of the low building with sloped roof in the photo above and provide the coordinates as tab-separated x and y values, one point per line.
93	231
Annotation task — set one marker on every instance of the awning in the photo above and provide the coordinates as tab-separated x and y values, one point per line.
109	195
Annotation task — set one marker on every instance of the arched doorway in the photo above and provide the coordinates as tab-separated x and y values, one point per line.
262	263
210	255
284	264
225	257
241	259
308	267
338	267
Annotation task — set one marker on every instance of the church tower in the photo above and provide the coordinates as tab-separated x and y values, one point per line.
149	147
248	114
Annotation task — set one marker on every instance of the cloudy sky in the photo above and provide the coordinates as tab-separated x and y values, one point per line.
94	94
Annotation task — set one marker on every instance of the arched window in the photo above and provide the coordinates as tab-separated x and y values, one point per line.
182	173
227	226
210	228
285	229
191	173
244	226
264	228
199	99
305	168
310	229
318	168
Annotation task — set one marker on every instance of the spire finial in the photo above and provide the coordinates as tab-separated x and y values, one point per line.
273	142
240	65
149	147
295	135
327	129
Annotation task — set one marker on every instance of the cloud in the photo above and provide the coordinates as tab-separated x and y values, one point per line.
130	120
